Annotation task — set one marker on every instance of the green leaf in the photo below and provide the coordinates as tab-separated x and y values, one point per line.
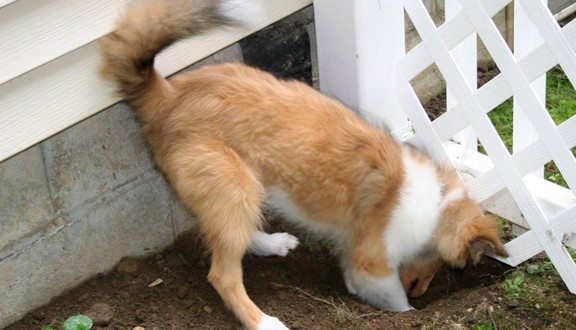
77	322
518	280
483	326
533	269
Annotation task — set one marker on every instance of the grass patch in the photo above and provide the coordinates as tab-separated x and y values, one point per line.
561	104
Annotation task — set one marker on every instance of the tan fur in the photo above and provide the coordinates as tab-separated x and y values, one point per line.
223	134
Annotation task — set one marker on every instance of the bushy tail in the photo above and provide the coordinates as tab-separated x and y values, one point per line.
148	27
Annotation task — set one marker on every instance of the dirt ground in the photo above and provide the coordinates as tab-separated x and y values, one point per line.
304	289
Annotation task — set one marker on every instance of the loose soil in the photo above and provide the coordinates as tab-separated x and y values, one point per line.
304	289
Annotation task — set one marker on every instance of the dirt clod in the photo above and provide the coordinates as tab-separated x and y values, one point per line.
128	266
101	314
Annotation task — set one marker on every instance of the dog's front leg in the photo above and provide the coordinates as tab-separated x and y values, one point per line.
386	292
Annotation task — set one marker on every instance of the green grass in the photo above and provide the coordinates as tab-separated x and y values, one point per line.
561	104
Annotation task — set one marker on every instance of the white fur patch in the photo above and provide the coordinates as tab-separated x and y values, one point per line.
383	292
281	202
278	244
452	196
243	11
271	323
416	216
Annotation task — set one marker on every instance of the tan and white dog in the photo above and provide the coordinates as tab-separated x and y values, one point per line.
231	138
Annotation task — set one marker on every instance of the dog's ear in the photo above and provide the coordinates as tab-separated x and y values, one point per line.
484	245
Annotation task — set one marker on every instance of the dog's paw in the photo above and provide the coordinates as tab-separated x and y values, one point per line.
271	323
278	244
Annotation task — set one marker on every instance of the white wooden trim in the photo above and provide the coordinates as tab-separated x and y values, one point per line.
465	54
564	13
68	89
453	31
35	32
6	2
526	39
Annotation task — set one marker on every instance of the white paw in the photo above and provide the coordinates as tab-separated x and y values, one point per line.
274	244
271	323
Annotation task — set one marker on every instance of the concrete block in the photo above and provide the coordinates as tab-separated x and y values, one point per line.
232	53
95	156
132	221
25	203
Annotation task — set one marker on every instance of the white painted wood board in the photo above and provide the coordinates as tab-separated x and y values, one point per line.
62	92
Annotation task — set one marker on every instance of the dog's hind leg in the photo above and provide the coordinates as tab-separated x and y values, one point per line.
226	195
277	244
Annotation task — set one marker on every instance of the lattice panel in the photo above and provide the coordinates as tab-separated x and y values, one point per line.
473	105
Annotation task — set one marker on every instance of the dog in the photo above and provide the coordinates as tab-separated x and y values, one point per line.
230	138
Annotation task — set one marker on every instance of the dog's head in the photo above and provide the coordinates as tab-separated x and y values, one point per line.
464	234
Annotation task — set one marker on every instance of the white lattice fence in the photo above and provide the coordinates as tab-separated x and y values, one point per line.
542	142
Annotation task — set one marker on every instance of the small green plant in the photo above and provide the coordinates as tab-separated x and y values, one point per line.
534	269
514	285
483	326
76	322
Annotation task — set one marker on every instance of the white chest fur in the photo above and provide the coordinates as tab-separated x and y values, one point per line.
416	216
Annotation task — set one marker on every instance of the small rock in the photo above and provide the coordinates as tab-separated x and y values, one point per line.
82	297
175	260
364	309
101	314
207	309
140	315
513	303
469	310
537	306
155	283
128	266
188	303
39	316
416	323
490	309
138	328
182	292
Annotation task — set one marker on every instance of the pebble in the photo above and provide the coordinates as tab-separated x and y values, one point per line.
138	328
128	266
188	303
513	303
39	316
140	315
207	309
100	313
182	292
82	297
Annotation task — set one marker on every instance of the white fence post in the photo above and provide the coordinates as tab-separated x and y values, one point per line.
359	44
465	55
526	39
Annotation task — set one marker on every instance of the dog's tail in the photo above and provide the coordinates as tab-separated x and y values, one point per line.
148	27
